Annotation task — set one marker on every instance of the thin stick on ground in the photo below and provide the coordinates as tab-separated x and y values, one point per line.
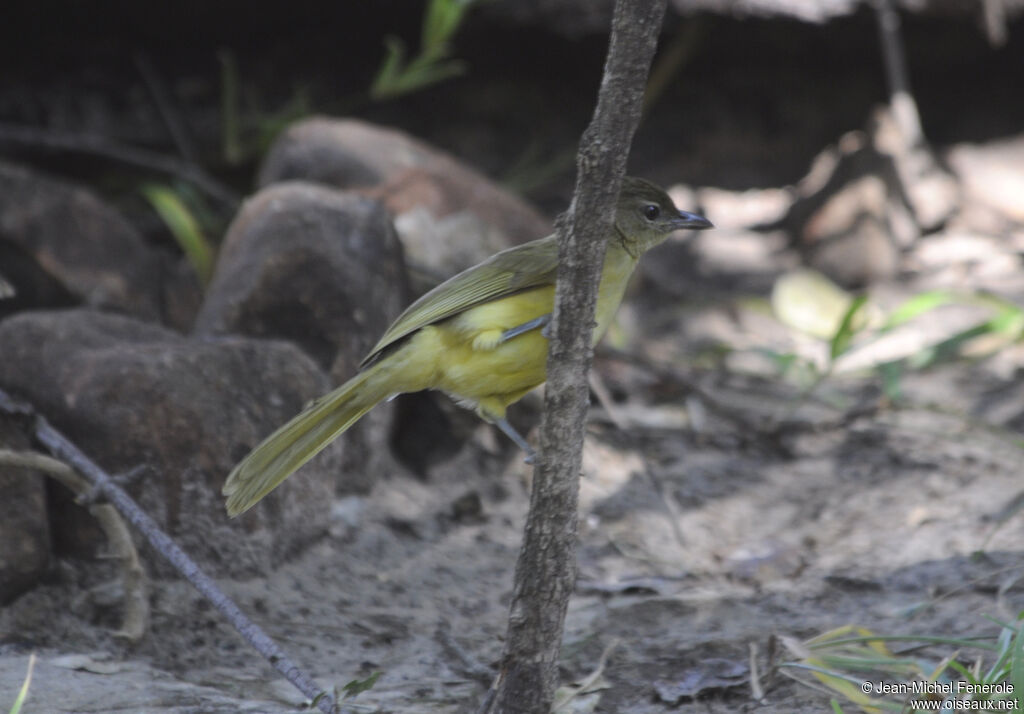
546	569
135	619
58	445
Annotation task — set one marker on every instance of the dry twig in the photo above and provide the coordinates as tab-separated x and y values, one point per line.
122	549
58	445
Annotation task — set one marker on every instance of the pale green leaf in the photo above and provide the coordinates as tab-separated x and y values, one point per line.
184	227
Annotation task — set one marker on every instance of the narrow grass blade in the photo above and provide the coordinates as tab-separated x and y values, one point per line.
23	692
848	328
1017	665
184	227
918	305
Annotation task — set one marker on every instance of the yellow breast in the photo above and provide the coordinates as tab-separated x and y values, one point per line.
476	367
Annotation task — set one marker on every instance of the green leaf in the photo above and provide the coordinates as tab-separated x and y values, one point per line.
358	686
1009	323
440	23
433	72
848	327
387	75
1017	666
917	305
892	379
808	301
184	227
431	65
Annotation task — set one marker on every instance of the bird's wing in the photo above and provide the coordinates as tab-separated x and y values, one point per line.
524	266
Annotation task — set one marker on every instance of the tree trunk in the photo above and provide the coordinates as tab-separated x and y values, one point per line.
546	569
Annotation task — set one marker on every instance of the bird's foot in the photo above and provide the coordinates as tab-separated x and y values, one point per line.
510	432
542	321
488	340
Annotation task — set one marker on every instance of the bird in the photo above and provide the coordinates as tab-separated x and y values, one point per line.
481	337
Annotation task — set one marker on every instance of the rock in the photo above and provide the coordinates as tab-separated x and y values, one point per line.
440	239
322	268
992	175
869	199
130	394
472	217
24	529
317	266
182	295
857	252
77	242
853	215
448	218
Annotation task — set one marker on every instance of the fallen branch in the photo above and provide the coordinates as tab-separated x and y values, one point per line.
135	619
104	484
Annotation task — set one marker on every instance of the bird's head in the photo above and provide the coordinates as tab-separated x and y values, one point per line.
646	215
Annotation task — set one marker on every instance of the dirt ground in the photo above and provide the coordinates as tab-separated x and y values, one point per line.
731	509
723	508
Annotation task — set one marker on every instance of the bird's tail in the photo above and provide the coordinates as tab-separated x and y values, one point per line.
302	438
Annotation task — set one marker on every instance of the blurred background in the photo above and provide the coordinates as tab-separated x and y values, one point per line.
748	93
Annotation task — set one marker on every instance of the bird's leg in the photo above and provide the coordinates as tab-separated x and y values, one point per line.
542	321
510	432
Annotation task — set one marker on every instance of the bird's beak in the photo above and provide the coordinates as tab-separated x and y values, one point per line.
691	221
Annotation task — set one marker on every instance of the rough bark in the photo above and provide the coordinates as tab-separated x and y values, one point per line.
546	569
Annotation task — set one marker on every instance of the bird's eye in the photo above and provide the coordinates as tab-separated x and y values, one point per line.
651	211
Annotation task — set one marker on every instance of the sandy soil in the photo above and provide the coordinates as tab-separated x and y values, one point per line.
708	532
